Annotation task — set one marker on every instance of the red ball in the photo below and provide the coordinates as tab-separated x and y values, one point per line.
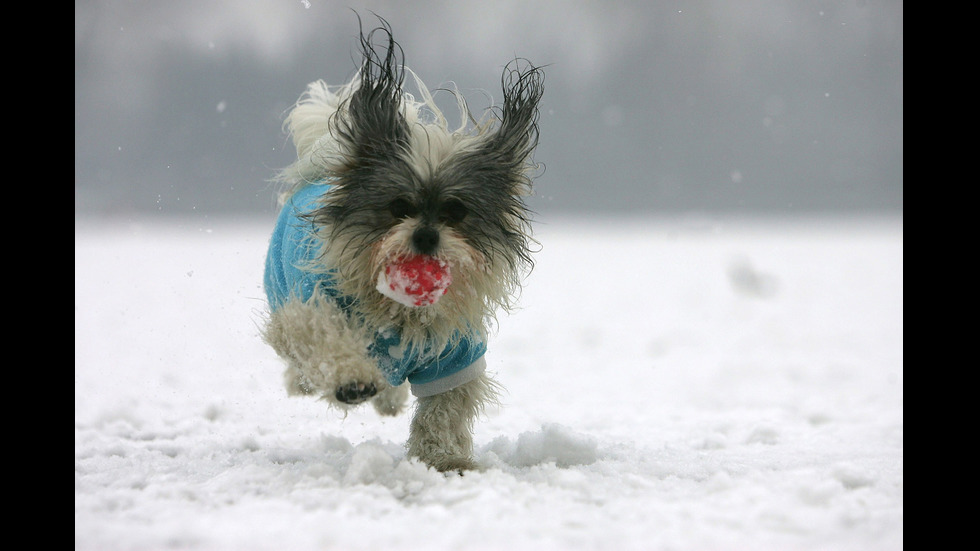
418	280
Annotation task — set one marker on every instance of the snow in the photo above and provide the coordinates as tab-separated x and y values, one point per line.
678	384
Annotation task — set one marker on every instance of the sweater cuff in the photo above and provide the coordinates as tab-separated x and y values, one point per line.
449	382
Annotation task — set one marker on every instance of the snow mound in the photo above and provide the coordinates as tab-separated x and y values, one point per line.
554	443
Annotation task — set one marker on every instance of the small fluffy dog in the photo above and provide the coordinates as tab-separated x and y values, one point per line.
397	241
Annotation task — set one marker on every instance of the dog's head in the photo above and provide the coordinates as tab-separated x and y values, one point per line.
406	186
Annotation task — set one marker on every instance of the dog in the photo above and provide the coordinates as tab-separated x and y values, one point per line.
397	242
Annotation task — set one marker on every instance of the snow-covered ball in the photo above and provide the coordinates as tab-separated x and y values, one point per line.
418	280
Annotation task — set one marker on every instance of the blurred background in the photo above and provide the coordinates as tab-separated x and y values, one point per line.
744	107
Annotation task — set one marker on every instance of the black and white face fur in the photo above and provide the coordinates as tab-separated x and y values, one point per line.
405	183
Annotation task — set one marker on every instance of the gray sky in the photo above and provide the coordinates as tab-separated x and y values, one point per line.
660	106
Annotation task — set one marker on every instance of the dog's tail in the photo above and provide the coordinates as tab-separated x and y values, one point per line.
309	126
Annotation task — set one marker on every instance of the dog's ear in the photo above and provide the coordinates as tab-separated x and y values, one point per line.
506	155
523	86
502	165
375	124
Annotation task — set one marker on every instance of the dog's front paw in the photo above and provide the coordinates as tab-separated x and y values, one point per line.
355	393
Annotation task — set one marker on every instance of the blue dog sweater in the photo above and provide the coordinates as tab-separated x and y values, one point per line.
293	248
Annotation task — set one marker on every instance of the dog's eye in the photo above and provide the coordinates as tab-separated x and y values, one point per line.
402	208
453	211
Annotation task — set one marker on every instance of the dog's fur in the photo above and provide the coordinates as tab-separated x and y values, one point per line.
405	183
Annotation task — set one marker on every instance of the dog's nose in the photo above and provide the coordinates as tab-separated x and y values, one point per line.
426	240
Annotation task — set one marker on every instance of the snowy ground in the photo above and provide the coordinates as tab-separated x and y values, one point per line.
677	385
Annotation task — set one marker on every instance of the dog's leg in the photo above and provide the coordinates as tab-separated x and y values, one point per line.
325	354
441	433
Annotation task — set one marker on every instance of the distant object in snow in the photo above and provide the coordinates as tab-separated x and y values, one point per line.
747	280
